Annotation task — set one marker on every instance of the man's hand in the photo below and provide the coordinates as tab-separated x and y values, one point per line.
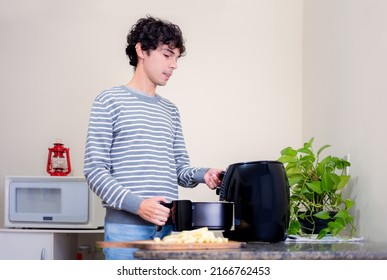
212	178
152	211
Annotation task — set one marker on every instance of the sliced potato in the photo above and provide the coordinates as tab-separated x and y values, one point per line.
200	235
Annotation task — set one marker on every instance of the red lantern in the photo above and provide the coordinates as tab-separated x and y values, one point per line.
58	162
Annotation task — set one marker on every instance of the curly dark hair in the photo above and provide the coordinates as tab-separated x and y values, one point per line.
150	32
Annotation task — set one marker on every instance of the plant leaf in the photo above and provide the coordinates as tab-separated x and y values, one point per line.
294	171
343	215
326	182
294	179
335	227
343	181
309	144
322	233
349	203
322	149
324	215
305	151
331	181
294	227
306	161
315	186
287	159
289	151
322	165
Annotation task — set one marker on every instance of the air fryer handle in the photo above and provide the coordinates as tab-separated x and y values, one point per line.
221	176
168	205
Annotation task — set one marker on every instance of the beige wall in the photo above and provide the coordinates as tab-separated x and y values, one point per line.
239	89
345	97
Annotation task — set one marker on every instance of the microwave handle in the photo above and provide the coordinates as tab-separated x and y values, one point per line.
43	254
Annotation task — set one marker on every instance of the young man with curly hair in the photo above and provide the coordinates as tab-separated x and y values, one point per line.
135	155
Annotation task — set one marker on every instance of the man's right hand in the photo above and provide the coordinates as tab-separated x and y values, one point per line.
152	211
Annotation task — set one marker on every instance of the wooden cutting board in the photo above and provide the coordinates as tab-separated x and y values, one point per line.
152	245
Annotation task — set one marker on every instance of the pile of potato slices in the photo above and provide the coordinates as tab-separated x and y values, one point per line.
200	235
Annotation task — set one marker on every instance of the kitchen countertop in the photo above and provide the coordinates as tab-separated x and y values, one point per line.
287	250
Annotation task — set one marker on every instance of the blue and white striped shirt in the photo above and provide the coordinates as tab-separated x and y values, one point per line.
135	149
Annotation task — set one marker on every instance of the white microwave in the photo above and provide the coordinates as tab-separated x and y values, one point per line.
51	202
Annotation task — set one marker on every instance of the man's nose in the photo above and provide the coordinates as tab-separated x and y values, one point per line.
173	64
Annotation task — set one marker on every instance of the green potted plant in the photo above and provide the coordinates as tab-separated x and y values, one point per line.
316	186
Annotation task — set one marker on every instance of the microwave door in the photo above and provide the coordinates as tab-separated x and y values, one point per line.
49	203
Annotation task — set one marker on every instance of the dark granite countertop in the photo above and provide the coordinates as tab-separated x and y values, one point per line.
359	250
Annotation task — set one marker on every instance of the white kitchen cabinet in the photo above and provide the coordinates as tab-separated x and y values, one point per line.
25	244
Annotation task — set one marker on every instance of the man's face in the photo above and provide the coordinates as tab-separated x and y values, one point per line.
160	63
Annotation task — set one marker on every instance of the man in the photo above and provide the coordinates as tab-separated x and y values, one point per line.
135	153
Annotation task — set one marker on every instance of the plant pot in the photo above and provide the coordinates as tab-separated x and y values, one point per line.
312	224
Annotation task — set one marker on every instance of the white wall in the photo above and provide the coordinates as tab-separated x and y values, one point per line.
239	89
345	97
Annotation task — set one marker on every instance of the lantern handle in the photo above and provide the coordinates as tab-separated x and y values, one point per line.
67	150
48	166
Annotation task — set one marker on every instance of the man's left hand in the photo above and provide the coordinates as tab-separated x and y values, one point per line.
212	178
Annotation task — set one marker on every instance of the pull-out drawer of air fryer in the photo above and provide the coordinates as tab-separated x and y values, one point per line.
188	215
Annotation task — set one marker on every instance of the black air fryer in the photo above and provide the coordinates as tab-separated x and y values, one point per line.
260	193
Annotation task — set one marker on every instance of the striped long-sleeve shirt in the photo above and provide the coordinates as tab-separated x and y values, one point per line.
135	150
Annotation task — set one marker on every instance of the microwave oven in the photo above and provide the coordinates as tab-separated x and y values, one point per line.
51	202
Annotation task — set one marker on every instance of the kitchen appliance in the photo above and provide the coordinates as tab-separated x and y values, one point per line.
253	206
260	193
51	202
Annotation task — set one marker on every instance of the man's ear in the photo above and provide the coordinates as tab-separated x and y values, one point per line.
140	52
